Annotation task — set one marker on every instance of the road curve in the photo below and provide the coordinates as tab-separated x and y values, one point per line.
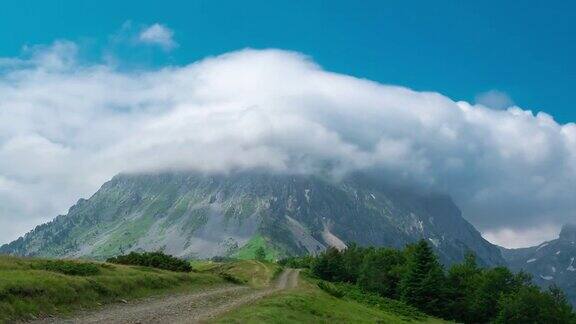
184	308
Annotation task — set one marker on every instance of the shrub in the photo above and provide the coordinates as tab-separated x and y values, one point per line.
330	289
353	292
297	262
230	278
277	272
221	259
153	259
260	254
72	268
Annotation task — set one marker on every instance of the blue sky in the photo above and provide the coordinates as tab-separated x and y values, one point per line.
458	48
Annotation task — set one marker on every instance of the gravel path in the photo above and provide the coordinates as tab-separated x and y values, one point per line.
185	308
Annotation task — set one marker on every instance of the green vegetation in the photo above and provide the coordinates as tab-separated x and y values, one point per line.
31	288
309	304
422	283
400	309
257	248
153	259
204	265
414	277
124	237
260	254
73	268
330	289
252	272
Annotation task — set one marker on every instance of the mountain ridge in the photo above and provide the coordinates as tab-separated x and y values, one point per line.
550	263
196	215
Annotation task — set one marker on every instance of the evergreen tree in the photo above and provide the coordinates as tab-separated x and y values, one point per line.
491	285
352	258
260	254
530	305
423	283
468	293
329	265
462	281
381	271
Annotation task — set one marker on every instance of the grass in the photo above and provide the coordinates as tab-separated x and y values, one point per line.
248	251
354	293
309	304
124	237
254	273
32	288
204	265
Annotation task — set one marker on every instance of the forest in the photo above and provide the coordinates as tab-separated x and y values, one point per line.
463	292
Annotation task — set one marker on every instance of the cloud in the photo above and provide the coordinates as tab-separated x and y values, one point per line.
66	127
494	99
521	238
159	35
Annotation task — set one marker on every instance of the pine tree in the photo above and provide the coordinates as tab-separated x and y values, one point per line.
381	271
260	254
329	265
352	258
423	283
528	304
463	281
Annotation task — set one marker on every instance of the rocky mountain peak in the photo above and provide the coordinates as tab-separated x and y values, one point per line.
568	232
196	215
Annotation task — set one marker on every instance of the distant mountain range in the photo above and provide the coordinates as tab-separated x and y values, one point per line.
552	262
194	215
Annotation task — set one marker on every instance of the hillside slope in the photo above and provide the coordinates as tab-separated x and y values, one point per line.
193	215
35	288
308	304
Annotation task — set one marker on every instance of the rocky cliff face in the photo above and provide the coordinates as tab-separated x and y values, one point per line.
552	262
192	215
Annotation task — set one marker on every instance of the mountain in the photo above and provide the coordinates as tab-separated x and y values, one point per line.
552	262
194	215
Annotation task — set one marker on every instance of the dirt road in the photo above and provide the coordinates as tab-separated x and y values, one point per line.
185	308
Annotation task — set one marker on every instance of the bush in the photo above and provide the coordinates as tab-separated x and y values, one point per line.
330	289
153	259
278	271
302	262
222	259
72	268
230	278
260	254
396	307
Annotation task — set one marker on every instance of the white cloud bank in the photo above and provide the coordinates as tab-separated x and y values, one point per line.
159	35
65	128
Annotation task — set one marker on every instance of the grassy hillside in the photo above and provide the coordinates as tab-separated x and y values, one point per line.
254	273
31	288
248	251
309	304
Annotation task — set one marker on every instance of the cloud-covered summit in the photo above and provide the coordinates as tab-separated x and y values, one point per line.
67	127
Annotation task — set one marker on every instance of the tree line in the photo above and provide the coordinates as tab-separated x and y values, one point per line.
464	292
